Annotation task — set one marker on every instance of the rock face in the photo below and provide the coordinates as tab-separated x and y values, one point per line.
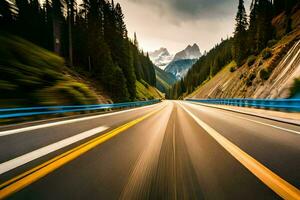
190	52
161	57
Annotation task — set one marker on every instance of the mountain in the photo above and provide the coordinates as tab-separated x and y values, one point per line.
161	57
190	52
183	61
179	68
164	80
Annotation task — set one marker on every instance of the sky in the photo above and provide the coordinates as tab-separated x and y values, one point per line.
174	24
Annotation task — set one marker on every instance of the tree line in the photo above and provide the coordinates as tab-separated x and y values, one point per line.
91	36
251	35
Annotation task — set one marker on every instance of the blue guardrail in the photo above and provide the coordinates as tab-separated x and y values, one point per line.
291	105
46	110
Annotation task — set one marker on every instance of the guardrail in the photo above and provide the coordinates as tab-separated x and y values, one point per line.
46	110
291	105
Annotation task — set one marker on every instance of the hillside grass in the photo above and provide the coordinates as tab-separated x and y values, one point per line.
147	92
30	75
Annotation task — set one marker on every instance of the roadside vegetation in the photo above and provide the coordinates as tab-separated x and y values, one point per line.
89	36
31	75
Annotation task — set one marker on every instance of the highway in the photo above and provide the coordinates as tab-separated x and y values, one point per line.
170	150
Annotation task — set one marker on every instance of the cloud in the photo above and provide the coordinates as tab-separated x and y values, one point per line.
192	9
176	23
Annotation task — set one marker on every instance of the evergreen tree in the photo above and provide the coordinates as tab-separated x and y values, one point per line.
240	33
264	27
252	32
57	20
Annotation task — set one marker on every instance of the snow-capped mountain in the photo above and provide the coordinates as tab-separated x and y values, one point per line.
183	61
190	52
179	64
161	57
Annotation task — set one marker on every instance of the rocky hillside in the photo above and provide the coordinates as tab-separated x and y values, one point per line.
271	74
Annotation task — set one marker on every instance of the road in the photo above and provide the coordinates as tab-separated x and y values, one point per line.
171	150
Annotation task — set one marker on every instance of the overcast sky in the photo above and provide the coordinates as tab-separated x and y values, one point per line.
176	23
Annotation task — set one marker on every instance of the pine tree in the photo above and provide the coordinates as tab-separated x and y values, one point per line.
57	20
252	32
71	13
264	26
240	33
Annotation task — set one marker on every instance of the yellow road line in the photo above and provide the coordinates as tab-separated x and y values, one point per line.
28	177
272	180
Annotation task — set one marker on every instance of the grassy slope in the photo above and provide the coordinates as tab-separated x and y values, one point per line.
31	75
147	92
164	80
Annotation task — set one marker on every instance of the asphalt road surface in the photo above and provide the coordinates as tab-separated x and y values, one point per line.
171	150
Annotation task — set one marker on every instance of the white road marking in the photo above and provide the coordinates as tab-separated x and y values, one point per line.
272	180
30	128
21	160
258	122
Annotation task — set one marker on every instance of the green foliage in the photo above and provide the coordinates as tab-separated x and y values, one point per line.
91	35
66	93
31	75
295	89
145	91
251	60
266	53
240	34
264	74
260	27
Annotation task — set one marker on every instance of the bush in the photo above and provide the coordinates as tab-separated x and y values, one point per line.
266	53
264	74
248	82
250	79
272	43
66	93
252	76
232	69
295	89
251	60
